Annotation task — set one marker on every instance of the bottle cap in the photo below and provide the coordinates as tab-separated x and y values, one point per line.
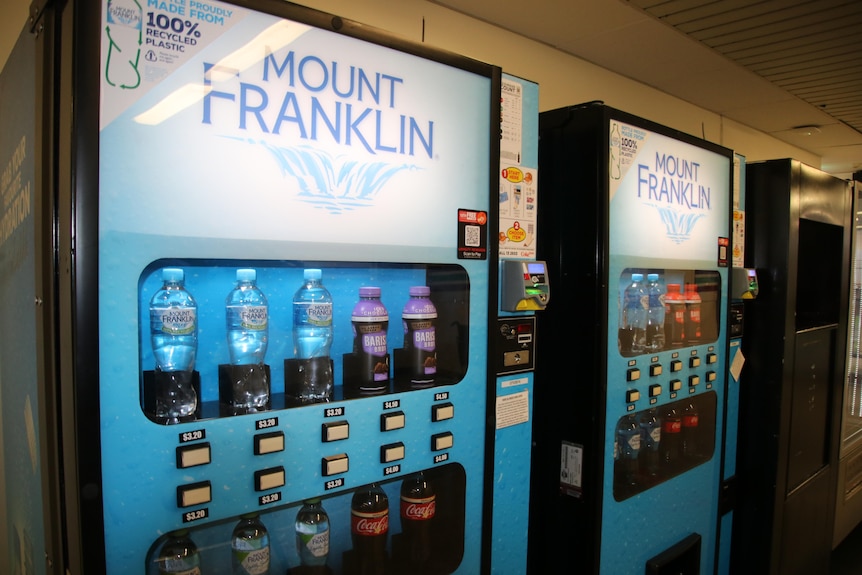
249	515
312	274
172	275
246	275
637	277
420	291
672	287
369	291
313	501
652	277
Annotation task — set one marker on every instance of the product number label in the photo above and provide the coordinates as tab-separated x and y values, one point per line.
441	458
196	515
441	396
187	436
334	484
392	404
392	469
267	423
333	412
269	498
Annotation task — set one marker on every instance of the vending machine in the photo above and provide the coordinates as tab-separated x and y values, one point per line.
524	293
274	273
799	225
636	230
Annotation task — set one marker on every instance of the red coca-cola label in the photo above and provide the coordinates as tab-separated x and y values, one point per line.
672	426
689	420
369	524
418	509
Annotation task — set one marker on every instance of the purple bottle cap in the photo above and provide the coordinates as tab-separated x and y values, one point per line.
420	291
369	292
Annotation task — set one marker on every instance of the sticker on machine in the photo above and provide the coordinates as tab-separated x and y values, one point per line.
571	468
472	235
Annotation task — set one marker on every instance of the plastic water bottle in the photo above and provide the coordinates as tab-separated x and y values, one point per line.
629	439
247	315
632	334
174	335
312	317
419	318
312	534
179	555
312	339
370	324
655	314
650	426
250	547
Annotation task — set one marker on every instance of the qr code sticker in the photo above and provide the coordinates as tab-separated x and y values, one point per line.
472	236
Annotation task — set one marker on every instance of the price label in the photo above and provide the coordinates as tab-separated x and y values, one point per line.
187	436
392	469
392	404
441	396
441	458
196	515
334	484
267	423
333	412
269	498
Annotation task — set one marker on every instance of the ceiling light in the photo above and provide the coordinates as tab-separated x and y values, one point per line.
806	130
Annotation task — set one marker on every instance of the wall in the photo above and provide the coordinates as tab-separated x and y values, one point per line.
562	79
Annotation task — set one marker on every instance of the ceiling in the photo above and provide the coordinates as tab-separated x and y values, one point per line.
790	68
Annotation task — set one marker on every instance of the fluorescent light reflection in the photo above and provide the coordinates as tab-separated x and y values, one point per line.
271	40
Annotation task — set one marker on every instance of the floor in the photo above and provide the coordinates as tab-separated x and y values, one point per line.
847	557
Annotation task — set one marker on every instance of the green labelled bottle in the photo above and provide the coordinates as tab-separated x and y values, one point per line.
250	547
179	555
312	534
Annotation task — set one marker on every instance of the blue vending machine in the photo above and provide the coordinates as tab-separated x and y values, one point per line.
524	292
229	145
626	471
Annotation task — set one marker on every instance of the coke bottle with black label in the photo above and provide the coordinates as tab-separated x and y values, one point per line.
418	507
369	528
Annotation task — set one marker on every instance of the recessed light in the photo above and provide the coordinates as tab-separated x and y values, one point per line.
806	130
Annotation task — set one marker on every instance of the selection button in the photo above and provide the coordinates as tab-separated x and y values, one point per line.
194	494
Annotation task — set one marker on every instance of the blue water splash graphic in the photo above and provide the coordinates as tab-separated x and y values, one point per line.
331	182
679	225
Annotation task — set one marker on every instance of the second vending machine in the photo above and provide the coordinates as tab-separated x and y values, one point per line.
291	296
627	459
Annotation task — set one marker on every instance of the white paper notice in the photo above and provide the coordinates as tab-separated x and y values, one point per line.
513	409
736	365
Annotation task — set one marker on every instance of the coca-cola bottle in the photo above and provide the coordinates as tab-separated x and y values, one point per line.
369	528
690	422
692	314
671	436
418	507
674	319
